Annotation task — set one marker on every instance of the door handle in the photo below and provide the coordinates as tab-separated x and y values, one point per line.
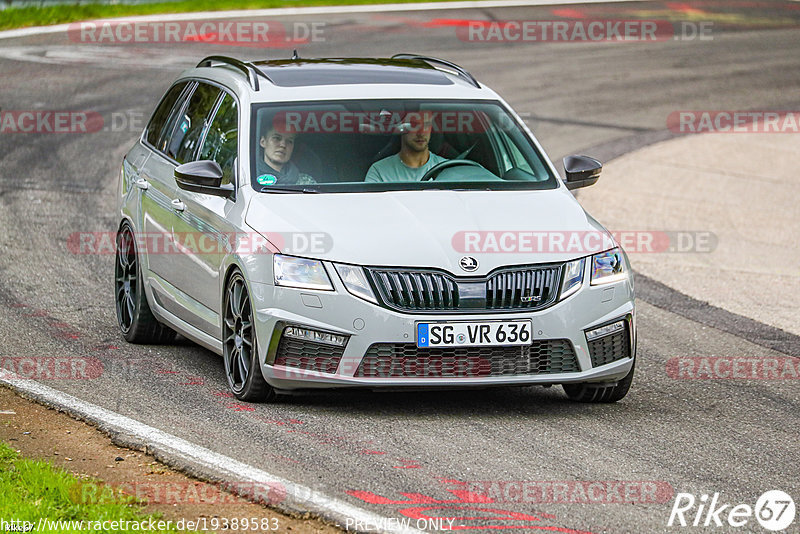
177	205
142	184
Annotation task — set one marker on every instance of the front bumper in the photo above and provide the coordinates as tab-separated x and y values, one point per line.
368	325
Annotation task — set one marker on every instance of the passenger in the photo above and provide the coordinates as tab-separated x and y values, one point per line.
275	167
414	158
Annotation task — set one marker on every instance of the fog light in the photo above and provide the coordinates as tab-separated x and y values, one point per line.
606	330
306	334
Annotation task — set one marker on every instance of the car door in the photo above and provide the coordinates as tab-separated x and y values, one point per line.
203	226
154	181
178	145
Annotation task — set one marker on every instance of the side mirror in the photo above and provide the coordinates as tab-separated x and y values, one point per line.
581	171
203	176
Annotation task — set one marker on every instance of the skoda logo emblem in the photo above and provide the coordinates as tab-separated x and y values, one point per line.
468	263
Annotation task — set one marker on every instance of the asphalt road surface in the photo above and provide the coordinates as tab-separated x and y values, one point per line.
405	455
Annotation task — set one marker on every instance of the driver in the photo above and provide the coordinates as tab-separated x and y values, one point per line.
414	158
275	167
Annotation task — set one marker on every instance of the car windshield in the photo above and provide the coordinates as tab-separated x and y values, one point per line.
385	145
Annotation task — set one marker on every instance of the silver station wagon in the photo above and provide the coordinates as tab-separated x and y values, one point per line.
372	223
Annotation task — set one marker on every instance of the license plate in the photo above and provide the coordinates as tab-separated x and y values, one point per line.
480	334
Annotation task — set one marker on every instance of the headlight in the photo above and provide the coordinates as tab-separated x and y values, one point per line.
355	281
301	273
608	267
573	277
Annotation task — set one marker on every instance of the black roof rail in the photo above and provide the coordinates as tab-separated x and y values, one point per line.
251	71
461	71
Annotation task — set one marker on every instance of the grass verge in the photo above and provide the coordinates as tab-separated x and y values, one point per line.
21	17
32	489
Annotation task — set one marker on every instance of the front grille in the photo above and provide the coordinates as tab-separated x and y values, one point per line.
610	348
524	288
308	356
406	360
416	290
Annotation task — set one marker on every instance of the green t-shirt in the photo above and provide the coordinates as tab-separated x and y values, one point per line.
392	169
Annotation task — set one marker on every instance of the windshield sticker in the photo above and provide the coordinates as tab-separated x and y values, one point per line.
267	179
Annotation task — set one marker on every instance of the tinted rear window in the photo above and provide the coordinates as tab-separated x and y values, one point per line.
190	125
159	119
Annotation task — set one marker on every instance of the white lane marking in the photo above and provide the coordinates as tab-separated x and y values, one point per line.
321	10
213	465
102	56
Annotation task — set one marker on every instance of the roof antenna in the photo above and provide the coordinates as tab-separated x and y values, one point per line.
295	55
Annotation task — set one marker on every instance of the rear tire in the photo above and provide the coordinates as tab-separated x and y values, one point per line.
134	317
600	392
239	350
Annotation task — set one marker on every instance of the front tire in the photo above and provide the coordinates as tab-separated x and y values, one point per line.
134	317
600	392
239	350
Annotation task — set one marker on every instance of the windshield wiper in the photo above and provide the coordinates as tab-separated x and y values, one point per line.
269	188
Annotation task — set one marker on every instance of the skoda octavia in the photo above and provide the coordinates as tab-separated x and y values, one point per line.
372	223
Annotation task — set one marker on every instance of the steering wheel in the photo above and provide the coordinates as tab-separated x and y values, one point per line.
434	171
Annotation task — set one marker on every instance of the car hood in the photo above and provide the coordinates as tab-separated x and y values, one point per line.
429	228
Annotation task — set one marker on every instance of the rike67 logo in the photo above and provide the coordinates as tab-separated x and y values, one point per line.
774	510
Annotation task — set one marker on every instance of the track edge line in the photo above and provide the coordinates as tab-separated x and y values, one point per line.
198	461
